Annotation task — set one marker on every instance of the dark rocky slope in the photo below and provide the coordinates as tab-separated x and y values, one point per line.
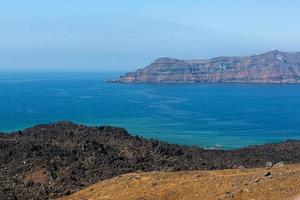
271	67
49	161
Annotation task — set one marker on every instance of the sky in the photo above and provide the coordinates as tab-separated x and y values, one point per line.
121	35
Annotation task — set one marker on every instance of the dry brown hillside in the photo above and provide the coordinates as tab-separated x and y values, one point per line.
277	183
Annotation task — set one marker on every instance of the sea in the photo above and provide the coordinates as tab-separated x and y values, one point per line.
220	116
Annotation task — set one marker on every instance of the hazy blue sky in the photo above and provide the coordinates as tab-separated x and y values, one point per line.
127	34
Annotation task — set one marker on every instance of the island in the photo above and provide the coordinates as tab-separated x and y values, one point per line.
270	67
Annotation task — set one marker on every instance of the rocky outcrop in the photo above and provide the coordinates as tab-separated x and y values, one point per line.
271	67
49	161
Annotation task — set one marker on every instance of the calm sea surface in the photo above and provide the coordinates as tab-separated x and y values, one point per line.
208	115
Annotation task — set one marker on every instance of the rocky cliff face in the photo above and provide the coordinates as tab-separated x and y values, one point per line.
271	67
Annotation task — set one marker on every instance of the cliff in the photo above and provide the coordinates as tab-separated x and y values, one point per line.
271	67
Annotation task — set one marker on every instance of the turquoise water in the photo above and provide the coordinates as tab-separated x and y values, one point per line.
208	115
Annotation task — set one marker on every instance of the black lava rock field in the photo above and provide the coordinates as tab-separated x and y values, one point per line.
54	160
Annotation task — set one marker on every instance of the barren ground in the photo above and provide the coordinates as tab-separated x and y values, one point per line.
283	183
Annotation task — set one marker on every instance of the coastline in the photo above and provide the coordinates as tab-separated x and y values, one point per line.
70	157
231	115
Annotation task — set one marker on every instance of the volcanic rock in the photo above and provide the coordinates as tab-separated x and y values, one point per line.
52	160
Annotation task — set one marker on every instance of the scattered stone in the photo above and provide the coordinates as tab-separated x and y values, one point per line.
228	195
280	164
292	172
270	177
268	164
256	180
242	168
153	184
137	176
246	190
198	176
267	173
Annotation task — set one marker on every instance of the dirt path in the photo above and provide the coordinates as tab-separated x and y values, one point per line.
280	183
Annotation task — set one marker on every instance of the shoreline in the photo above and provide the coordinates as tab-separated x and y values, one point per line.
214	146
54	160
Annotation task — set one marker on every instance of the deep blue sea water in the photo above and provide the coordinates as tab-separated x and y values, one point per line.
208	115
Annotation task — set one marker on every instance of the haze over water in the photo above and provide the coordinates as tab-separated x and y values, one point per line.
208	115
